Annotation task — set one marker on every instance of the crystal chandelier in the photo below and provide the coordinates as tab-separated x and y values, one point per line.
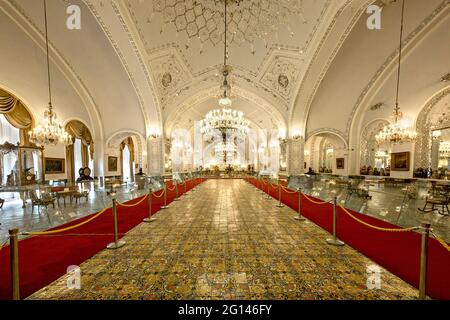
225	121
250	20
53	131
396	132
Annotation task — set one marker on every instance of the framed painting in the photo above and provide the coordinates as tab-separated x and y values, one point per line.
340	163
54	165
112	163
400	161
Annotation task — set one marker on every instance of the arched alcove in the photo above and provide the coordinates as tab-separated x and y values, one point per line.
326	152
80	154
371	155
435	115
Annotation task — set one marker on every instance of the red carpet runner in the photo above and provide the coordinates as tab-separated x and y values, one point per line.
398	252
43	259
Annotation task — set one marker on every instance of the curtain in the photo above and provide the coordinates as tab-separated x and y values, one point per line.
7	102
16	114
84	155
128	142
77	156
70	163
78	130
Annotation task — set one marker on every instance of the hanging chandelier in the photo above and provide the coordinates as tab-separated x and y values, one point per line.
225	120
53	131
396	132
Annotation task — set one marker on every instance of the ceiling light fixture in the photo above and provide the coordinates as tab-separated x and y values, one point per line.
396	132
53	131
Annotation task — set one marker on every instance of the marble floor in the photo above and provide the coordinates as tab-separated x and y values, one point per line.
224	241
12	215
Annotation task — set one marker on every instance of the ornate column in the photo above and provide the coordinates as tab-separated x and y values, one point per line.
295	150
155	155
99	161
435	154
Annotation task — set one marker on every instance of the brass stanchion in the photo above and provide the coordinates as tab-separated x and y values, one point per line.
150	218
117	243
177	198
279	205
268	189
299	217
262	187
185	189
335	241
165	206
14	260
261	183
424	261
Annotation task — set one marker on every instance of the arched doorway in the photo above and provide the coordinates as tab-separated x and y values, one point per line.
81	153
127	160
373	159
326	152
433	136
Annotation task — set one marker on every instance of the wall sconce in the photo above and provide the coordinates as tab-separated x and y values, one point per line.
436	134
154	133
296	134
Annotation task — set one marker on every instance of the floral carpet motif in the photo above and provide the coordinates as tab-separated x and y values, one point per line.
227	241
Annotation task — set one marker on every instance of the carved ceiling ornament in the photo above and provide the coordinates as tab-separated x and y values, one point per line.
433	116
281	76
169	74
249	21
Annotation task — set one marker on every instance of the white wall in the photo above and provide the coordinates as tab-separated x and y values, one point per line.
58	151
404	147
340	153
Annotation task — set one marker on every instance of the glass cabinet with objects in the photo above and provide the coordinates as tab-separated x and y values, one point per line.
31	165
21	166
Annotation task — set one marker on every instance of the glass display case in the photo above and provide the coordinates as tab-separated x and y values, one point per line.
21	169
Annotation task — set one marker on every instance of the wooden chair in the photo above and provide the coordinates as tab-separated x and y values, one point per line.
81	194
43	201
436	203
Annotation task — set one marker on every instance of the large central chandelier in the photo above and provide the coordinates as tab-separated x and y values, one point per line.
396	132
53	131
224	121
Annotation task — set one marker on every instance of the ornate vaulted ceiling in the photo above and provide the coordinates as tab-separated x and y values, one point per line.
183	42
134	66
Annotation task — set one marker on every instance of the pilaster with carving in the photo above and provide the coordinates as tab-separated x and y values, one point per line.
295	156
155	156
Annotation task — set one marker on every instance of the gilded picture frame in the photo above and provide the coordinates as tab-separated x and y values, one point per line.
54	165
400	161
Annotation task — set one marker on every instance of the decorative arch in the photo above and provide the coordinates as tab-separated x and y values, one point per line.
115	140
78	130
368	139
429	119
175	117
331	131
